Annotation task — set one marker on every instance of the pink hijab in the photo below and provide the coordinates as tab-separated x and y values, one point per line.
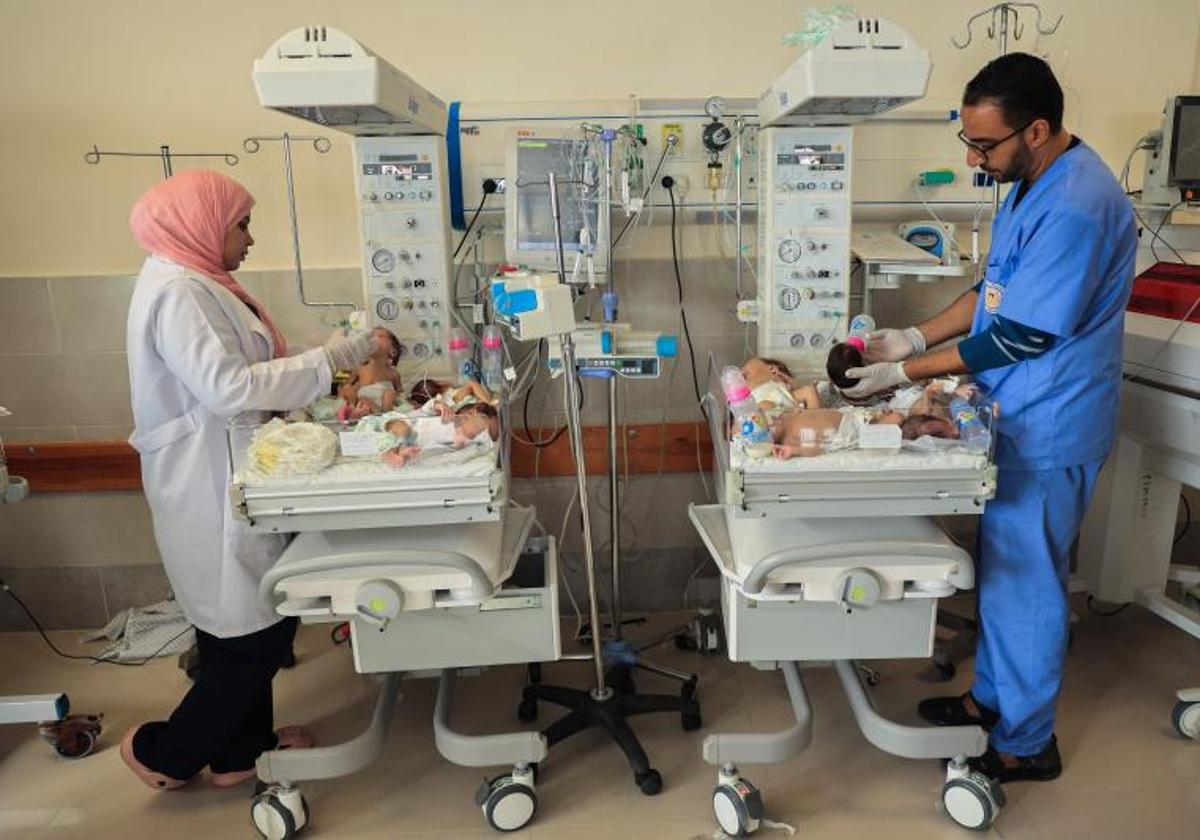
185	219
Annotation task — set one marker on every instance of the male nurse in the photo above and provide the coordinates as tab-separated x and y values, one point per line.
1044	331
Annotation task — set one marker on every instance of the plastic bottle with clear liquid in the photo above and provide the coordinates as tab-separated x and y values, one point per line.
862	324
750	426
458	348
492	361
972	432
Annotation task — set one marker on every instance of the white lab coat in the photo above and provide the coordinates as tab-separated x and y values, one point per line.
198	358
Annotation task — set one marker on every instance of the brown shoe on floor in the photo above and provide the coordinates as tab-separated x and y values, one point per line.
158	781
290	738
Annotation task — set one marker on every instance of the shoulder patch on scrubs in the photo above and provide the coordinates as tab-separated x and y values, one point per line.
993	293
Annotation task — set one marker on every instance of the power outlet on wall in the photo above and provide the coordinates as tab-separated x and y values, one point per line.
681	185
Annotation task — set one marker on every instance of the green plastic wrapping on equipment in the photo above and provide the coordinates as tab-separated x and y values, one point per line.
818	23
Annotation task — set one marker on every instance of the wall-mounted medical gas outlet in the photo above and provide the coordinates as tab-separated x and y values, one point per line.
803	243
404	227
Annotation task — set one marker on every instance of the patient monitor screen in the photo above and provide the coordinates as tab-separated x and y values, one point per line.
1185	152
575	174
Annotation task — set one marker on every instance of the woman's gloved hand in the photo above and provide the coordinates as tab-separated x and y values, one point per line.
346	351
890	345
872	379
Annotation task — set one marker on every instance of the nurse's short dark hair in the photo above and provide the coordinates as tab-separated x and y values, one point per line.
1022	86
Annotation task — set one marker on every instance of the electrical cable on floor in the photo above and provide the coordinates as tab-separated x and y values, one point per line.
1105	613
83	657
1187	520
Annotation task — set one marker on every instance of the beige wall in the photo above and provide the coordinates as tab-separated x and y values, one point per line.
131	74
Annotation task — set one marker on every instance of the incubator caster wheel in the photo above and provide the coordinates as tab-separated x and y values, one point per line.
1186	718
738	807
527	711
508	801
279	813
74	736
649	782
973	801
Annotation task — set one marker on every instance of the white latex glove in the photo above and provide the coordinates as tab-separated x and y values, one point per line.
346	351
890	345
872	379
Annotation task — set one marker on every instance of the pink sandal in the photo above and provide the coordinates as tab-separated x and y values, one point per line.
158	781
290	738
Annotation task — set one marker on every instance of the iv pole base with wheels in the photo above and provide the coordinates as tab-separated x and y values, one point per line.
604	707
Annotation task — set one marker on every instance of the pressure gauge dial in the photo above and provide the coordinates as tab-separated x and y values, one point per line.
387	309
789	250
714	106
789	298
383	260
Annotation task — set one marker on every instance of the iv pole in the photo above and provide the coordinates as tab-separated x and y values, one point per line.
1005	16
164	154
322	145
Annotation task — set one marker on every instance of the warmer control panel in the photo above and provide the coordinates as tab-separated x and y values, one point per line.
804	243
404	225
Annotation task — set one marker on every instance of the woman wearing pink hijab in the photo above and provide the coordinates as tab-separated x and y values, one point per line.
202	352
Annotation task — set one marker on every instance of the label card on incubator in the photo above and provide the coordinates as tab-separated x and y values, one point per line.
355	444
879	436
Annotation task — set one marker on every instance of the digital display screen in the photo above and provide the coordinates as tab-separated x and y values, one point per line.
401	170
1185	144
536	159
813	157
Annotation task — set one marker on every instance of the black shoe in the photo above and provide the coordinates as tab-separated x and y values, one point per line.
1042	767
952	711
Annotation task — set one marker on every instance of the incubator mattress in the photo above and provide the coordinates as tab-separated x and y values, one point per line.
923	456
473	461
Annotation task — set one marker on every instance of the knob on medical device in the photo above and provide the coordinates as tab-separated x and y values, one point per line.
379	602
858	589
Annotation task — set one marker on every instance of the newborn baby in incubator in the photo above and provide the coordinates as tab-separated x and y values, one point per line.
409	435
372	389
808	420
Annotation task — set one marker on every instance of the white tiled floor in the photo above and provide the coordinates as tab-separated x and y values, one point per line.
1127	773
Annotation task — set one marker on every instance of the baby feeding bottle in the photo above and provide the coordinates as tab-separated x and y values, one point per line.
492	361
750	427
459	350
971	430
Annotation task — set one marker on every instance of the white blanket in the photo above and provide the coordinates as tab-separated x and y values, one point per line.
435	462
922	454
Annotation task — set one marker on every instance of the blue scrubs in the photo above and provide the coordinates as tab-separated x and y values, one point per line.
1061	261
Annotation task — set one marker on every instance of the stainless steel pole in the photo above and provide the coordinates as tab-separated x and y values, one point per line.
575	429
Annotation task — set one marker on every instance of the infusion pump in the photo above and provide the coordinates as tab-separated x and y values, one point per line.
804	243
404	226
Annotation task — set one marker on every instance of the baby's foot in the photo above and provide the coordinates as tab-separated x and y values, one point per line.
400	456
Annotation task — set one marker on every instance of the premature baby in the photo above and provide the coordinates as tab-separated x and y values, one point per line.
450	429
372	389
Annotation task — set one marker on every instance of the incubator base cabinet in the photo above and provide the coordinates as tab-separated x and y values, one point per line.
836	589
420	601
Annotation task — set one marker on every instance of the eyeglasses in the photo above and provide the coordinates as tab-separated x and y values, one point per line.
982	148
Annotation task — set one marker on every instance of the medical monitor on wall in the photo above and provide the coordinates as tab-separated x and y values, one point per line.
532	154
1184	156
